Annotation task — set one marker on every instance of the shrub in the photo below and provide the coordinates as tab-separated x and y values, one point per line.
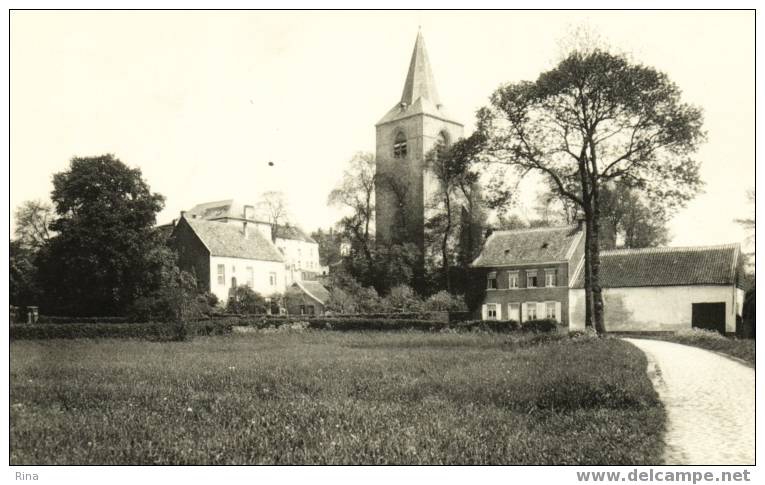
488	325
345	324
692	334
445	302
67	320
540	325
402	298
153	331
245	300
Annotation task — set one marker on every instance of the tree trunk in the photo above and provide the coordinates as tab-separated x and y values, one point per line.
445	244
587	273
597	292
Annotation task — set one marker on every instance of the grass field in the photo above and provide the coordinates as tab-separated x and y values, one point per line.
329	397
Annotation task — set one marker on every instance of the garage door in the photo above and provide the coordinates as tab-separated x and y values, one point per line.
709	316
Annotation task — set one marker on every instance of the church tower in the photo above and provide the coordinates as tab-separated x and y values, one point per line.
405	135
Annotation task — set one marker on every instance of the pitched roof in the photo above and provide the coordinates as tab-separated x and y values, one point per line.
220	209
228	240
314	289
419	95
419	80
292	232
701	265
523	246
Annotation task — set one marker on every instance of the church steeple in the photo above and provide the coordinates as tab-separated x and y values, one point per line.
419	80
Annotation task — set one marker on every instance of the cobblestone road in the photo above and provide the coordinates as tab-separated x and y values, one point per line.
709	401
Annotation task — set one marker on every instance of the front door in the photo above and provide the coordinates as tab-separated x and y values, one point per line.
709	316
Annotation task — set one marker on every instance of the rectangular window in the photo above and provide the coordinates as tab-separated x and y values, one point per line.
491	281
221	274
515	312
512	279
302	309
311	310
250	277
531	279
550	310
491	311
272	279
551	277
531	309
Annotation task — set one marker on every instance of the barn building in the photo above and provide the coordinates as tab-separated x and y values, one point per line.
665	289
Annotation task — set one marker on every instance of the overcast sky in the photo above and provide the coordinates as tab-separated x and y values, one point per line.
202	101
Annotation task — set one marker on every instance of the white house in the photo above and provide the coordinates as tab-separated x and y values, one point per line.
223	256
665	289
300	251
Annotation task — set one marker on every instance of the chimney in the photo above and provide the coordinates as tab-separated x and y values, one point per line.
183	214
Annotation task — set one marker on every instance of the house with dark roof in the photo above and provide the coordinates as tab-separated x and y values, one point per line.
539	273
527	272
223	256
306	298
300	251
665	289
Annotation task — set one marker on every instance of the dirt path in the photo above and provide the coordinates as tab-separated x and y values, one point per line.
709	400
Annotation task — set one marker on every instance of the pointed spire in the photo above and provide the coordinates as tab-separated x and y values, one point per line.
419	81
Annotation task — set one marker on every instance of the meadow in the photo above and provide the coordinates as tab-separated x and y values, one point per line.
324	397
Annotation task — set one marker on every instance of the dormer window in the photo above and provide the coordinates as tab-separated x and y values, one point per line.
399	146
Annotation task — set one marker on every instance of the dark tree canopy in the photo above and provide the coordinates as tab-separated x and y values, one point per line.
105	253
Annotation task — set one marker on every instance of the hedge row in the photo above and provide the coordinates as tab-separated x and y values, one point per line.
116	330
344	324
54	319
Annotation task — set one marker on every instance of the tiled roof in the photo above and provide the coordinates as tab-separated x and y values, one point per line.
314	289
293	232
522	246
702	265
220	209
228	240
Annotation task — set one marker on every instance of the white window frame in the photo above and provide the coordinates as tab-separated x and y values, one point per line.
532	274
491	307
492	276
272	278
554	274
548	305
531	306
222	274
510	311
250	276
513	276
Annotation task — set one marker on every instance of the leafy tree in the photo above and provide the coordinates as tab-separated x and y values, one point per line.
33	218
356	194
445	302
627	219
330	246
105	253
244	299
23	279
455	171
594	118
402	298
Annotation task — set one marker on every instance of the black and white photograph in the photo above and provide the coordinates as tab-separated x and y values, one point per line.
382	237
